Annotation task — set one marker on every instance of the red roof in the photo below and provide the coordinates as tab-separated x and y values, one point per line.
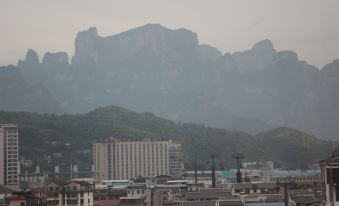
106	202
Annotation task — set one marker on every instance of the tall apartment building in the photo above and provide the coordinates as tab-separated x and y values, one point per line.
115	159
9	157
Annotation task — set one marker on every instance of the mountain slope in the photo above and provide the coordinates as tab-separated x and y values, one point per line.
18	95
43	135
291	146
169	73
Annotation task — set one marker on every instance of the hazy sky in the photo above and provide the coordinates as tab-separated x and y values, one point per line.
309	27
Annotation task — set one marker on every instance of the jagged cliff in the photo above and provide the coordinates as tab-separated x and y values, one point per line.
168	72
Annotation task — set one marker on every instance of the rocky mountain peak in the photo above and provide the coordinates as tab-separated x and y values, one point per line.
159	38
86	46
264	45
286	56
148	40
58	58
332	69
92	32
259	57
209	53
31	59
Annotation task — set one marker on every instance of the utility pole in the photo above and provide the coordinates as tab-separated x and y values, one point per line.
195	173
286	192
238	157
71	170
213	170
331	187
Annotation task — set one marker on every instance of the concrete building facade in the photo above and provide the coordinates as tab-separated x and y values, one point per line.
9	154
115	159
74	193
330	178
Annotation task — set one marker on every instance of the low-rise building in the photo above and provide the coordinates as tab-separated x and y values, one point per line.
254	188
74	193
139	193
232	202
330	178
307	200
207	196
25	199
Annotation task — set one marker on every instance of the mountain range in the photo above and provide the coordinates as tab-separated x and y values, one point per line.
50	138
169	73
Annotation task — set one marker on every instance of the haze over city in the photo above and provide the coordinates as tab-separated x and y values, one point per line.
169	103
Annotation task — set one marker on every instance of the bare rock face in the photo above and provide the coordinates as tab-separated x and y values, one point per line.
86	44
332	69
58	58
151	40
209	53
169	73
18	95
263	46
30	60
288	56
259	57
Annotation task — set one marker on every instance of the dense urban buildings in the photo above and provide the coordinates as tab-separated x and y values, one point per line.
9	160
62	193
114	159
330	178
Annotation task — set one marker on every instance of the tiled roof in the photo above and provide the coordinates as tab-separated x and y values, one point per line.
231	203
207	195
303	199
274	198
106	202
81	183
59	182
266	185
199	203
215	190
241	186
5	190
261	185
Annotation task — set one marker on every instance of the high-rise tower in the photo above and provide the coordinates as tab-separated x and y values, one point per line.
9	154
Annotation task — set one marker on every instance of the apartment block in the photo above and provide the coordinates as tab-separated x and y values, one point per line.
9	157
114	159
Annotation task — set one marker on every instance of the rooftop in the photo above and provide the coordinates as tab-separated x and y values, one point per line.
207	195
8	125
199	203
232	202
303	199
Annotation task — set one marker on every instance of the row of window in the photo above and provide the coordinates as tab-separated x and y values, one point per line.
11	158
56	202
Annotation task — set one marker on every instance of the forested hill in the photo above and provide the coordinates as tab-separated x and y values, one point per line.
43	135
170	73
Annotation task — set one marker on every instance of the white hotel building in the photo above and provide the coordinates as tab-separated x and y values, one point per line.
114	159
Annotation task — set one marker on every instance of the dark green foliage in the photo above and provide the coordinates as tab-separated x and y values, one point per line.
42	135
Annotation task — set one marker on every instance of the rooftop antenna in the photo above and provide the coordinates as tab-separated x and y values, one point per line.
238	157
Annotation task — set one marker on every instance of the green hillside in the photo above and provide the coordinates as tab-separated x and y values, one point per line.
43	135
